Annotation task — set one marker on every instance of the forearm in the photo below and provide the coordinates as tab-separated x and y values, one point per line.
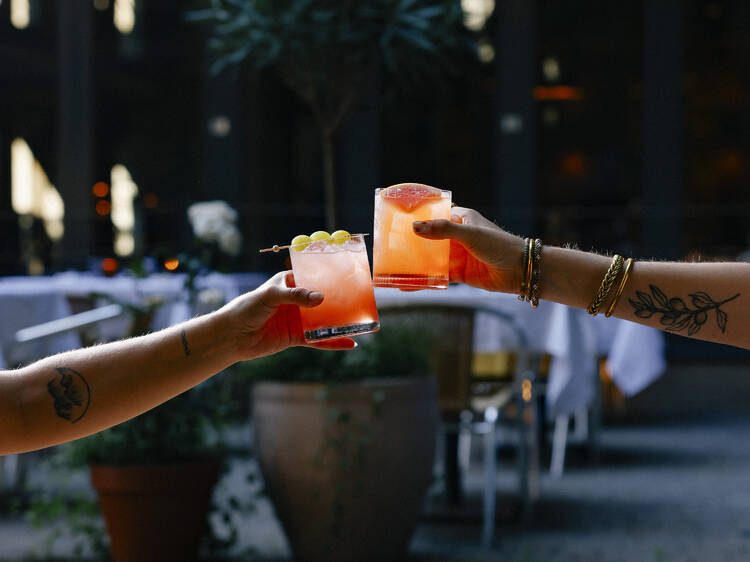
709	301
78	393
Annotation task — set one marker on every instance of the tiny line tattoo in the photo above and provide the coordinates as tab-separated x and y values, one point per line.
71	393
185	347
675	314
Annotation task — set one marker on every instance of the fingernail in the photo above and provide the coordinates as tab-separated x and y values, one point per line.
315	296
421	226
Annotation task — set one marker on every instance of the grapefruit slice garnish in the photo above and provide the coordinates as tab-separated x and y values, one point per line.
409	196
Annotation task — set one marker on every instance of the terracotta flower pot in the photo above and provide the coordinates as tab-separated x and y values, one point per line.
347	473
155	512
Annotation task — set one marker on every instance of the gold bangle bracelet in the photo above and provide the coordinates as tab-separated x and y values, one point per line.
606	286
535	273
621	287
529	267
525	263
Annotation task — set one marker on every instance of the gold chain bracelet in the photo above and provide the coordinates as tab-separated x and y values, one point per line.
609	278
621	287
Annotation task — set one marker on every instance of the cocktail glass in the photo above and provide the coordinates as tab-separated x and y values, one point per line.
402	259
342	273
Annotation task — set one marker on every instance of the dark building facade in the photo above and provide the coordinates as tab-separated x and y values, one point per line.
618	126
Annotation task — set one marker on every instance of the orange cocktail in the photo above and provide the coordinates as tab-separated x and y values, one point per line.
402	259
341	271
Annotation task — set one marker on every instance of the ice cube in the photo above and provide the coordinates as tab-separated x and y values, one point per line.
353	245
317	247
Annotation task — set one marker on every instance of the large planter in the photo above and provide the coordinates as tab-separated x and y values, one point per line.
155	512
347	468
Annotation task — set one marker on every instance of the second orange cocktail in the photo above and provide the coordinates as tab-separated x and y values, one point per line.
401	259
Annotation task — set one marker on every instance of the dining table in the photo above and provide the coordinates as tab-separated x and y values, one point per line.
27	301
574	340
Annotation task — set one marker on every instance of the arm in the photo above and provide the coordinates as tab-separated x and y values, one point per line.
709	301
80	392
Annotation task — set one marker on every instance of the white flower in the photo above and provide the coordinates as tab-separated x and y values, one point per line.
210	218
230	240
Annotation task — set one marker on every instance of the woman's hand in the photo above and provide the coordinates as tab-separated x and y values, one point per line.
482	254
267	320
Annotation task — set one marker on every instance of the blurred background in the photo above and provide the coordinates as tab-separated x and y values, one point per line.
610	125
615	126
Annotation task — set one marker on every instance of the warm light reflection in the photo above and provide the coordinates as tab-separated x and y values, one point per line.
110	265
20	13
477	12
551	69
485	51
124	191
100	189
124	243
101	5
22	177
150	201
526	391
558	93
124	16
574	164
730	163
31	191
219	125
103	208
171	265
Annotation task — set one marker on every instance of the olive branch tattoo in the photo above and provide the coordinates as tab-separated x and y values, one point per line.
675	314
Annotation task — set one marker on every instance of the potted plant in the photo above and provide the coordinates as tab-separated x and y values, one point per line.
327	52
345	443
154	477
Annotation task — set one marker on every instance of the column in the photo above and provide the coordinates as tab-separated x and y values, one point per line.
514	154
9	243
75	166
663	114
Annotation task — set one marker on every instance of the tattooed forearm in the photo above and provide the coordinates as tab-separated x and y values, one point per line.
71	393
675	314
185	347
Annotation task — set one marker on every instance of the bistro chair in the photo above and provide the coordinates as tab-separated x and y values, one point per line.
474	404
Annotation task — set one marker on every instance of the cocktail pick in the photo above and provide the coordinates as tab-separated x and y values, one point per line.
277	249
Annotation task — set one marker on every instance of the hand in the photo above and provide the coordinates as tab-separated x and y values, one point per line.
482	254
267	320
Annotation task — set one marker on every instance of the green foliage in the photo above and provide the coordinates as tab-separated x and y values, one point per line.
395	351
407	35
188	427
325	49
75	517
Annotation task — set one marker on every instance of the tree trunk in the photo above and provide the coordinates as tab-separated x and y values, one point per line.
329	179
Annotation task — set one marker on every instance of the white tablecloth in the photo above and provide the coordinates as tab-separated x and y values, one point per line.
28	301
21	307
574	339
